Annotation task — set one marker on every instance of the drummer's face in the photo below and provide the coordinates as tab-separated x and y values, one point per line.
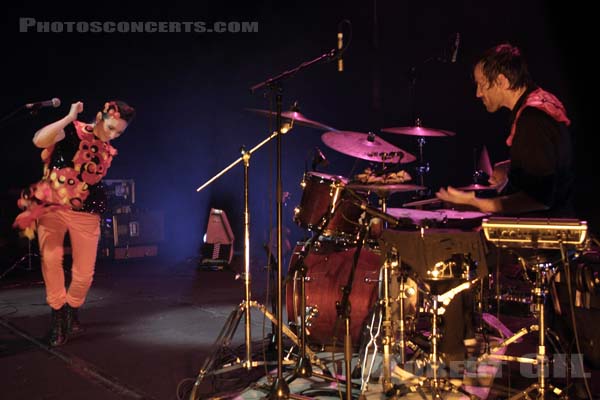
488	92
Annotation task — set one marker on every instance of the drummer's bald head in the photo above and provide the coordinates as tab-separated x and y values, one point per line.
507	60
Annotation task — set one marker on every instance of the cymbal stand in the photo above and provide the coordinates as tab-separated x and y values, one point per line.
280	389
542	386
384	314
244	308
436	383
388	339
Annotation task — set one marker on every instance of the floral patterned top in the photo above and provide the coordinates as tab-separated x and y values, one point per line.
73	170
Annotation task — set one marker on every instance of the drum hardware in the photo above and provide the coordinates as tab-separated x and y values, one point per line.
243	309
562	234
343	308
279	388
274	85
421	133
383	191
458	266
434	382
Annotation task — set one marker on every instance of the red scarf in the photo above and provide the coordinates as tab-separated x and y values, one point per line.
544	101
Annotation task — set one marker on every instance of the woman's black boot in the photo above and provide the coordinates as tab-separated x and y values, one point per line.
58	332
73	325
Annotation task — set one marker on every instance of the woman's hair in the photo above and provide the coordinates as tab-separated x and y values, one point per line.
507	60
120	108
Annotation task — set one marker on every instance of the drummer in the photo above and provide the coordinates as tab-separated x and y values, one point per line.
540	180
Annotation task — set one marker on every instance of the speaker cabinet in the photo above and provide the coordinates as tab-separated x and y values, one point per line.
139	228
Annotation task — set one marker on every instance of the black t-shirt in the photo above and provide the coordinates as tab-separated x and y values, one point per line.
541	161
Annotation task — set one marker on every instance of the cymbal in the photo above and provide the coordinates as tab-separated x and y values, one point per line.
386	188
417	131
366	146
476	186
293	115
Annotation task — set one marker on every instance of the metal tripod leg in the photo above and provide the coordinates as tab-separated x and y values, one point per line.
27	257
211	364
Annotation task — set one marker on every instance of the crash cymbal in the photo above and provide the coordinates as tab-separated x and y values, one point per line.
293	115
386	188
366	146
417	131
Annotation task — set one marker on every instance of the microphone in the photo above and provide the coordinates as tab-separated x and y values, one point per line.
455	48
55	102
340	45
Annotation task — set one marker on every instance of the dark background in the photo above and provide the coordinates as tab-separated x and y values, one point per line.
190	90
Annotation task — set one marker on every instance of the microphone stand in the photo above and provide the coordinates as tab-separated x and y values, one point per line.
228	330
280	388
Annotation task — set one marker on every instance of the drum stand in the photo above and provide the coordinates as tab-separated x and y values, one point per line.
539	291
343	308
435	384
228	330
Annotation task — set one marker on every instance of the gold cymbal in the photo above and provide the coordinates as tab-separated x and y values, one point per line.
418	131
296	116
387	188
366	146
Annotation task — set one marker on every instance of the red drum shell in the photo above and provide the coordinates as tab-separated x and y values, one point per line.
327	269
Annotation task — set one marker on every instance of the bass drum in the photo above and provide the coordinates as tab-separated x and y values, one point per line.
328	267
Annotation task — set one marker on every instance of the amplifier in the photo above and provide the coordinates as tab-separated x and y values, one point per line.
138	228
120	194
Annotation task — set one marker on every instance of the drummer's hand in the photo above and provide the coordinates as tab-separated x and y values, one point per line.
452	195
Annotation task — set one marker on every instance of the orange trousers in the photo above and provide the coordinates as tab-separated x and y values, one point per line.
84	233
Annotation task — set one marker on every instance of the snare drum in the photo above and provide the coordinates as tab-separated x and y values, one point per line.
326	205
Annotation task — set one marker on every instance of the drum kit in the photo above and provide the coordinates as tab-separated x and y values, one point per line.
340	275
348	276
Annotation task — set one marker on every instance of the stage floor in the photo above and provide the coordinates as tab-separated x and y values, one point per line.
151	324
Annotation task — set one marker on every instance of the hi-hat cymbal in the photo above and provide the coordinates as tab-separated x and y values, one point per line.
293	115
476	187
417	131
366	146
386	188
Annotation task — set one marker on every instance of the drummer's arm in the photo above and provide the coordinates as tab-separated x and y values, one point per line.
514	203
